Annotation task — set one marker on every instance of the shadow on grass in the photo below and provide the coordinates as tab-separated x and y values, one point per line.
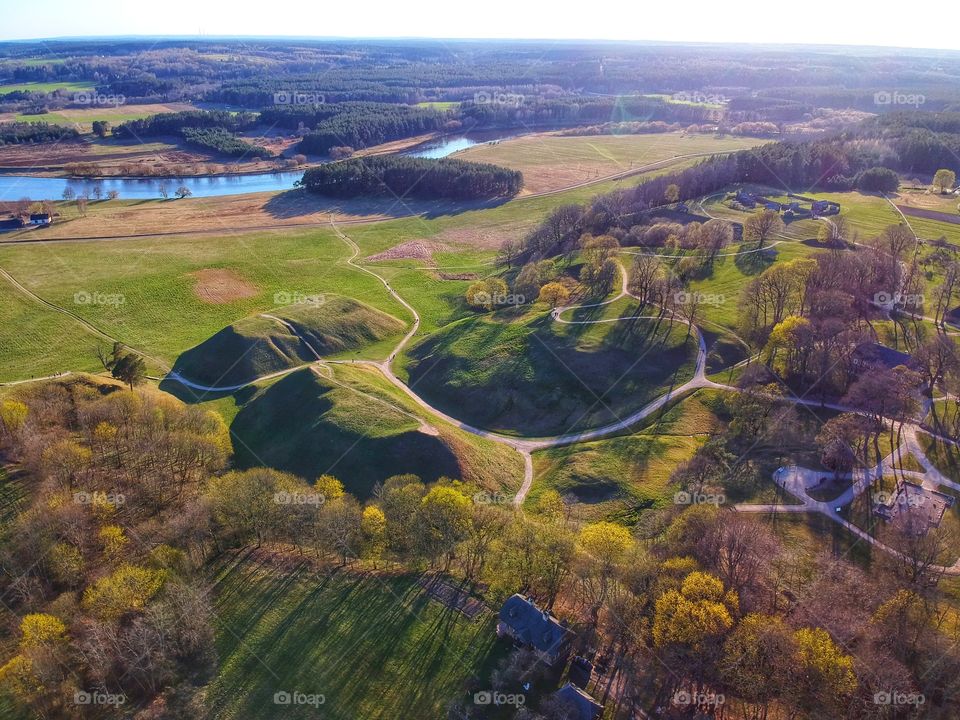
374	646
299	202
540	377
754	263
297	425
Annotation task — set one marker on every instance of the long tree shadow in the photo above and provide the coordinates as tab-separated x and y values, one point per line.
756	261
300	203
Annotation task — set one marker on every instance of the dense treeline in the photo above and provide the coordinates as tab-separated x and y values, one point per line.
518	111
223	141
412	177
16	133
751	108
870	96
175	123
295	117
359	125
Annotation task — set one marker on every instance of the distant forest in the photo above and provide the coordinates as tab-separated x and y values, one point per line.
781	84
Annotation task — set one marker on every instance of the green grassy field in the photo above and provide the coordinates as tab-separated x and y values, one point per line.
82	118
438	104
36	341
550	161
375	647
868	214
614	479
46	87
303	424
165	308
163	315
722	284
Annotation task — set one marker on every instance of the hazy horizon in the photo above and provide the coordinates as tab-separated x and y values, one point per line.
818	23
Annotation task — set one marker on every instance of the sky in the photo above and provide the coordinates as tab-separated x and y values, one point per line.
832	22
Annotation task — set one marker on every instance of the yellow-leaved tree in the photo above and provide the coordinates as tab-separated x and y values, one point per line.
699	610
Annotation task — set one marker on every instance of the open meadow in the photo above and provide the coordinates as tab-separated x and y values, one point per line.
550	161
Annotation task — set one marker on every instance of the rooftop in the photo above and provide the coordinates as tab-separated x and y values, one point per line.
533	626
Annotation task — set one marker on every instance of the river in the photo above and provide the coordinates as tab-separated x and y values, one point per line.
15	187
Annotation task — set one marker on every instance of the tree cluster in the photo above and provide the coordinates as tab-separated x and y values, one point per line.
412	177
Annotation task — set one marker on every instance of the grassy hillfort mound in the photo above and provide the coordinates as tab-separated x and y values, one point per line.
311	425
267	343
531	376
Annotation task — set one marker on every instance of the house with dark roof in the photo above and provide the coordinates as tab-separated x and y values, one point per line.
580	672
40	219
868	355
11	223
581	705
530	626
820	208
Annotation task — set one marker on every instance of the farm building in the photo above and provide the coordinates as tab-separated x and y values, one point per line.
11	223
581	705
41	219
530	626
820	208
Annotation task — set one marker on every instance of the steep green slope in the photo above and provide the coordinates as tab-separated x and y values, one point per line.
262	344
310	426
532	376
